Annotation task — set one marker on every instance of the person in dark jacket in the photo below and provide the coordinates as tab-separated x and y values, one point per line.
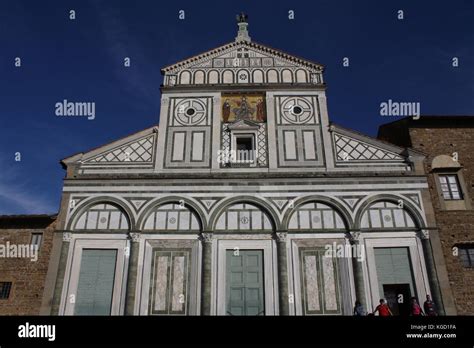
430	307
359	309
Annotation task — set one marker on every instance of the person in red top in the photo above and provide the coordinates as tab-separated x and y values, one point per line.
415	308
383	309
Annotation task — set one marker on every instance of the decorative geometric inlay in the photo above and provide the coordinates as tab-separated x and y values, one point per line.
296	110
386	215
351	200
349	149
315	216
137	203
413	198
190	112
138	151
172	220
261	143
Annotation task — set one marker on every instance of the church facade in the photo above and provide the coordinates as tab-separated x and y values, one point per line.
245	200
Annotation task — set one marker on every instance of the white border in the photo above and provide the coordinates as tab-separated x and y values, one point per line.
218	269
144	272
393	240
73	264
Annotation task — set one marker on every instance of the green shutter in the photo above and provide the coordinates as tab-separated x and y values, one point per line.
96	282
393	267
245	282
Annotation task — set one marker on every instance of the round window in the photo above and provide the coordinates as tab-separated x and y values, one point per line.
190	112
296	110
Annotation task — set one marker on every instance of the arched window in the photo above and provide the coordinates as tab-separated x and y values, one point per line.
243	217
102	216
315	216
171	217
386	215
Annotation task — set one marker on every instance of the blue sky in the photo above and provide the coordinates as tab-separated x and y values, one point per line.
82	60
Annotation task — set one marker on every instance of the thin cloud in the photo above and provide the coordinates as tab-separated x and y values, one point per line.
16	197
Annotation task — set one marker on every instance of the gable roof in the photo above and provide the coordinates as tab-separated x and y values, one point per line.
250	44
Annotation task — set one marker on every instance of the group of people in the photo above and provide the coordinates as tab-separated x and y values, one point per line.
384	309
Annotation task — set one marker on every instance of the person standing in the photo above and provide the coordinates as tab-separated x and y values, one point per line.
415	308
383	309
359	309
430	307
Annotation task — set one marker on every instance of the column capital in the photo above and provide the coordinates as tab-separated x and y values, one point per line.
206	237
354	236
67	236
424	234
134	236
280	237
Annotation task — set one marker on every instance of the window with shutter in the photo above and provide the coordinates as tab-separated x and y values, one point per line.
96	282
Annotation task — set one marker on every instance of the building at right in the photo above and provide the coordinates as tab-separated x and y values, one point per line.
448	142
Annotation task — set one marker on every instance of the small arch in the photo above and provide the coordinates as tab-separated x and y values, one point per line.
301	76
388	204
227	76
287	76
256	202
185	77
163	205
199	77
102	213
257	76
243	76
327	204
213	77
272	76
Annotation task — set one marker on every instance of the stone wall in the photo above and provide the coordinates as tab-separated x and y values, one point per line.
455	226
445	136
27	277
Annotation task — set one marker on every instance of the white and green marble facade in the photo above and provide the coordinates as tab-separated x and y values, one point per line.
162	199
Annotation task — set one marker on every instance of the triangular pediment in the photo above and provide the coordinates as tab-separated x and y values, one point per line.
135	149
352	147
244	124
245	62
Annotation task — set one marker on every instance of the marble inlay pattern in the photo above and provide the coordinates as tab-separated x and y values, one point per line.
311	275
178	283
330	296
161	283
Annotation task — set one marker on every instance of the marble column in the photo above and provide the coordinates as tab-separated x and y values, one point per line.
67	237
354	239
132	252
206	240
282	255
431	270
